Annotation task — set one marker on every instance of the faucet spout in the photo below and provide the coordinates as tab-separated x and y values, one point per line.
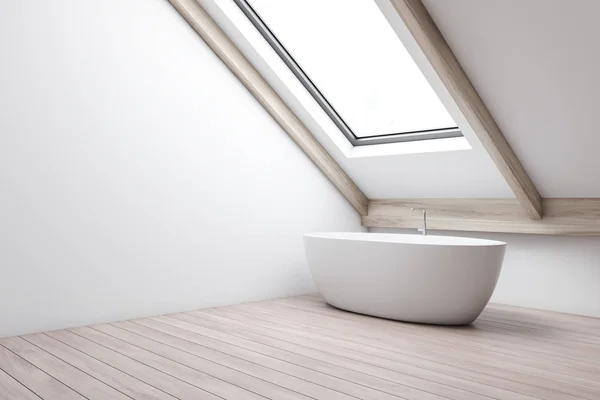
424	230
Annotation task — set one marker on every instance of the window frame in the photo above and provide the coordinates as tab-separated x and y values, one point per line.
312	89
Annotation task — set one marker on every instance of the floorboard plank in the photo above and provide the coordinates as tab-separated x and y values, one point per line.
577	323
149	356
70	376
163	381
290	351
552	337
219	371
264	355
11	389
34	378
118	380
257	365
565	329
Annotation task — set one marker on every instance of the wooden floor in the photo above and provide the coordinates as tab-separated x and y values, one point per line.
299	348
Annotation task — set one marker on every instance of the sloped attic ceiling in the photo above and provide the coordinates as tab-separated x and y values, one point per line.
565	216
426	174
535	64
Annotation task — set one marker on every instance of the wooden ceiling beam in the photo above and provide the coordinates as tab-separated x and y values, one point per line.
429	38
574	217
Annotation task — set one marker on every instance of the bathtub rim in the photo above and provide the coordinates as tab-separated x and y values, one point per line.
404	238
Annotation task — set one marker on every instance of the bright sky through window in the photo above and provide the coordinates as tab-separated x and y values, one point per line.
354	58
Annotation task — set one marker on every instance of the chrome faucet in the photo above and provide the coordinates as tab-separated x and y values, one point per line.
424	230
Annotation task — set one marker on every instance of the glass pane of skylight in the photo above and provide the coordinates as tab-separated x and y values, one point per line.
354	58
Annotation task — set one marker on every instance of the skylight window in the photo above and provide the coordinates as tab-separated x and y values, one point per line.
348	57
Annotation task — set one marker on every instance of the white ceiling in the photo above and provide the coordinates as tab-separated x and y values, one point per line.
536	65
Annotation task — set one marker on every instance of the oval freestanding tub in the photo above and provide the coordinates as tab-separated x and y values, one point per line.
426	279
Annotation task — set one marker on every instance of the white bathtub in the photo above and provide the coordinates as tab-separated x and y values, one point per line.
426	279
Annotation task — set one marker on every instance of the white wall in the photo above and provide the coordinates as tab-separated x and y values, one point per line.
558	273
137	175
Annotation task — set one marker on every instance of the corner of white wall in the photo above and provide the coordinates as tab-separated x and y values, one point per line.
138	176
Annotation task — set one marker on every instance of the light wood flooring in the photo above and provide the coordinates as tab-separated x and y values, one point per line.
301	348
